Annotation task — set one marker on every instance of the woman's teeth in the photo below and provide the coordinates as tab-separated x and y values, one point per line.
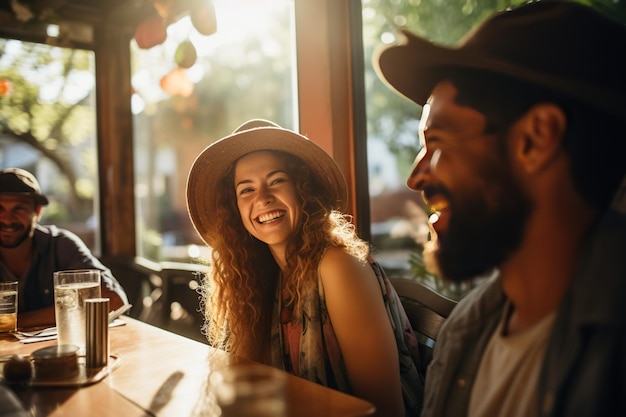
264	218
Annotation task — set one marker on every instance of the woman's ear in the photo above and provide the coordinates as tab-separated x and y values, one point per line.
539	134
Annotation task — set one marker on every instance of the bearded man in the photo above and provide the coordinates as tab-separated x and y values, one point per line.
523	164
30	253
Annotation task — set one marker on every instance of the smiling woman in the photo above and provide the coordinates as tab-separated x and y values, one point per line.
291	284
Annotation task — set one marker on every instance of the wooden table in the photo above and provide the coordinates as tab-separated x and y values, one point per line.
160	373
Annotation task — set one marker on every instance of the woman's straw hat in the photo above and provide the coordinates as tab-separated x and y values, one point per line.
255	135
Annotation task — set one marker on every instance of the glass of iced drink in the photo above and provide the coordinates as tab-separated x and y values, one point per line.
250	390
71	289
8	306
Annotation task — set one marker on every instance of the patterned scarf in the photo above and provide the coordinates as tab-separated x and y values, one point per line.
309	349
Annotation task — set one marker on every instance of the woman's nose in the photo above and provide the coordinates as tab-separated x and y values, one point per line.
265	196
419	172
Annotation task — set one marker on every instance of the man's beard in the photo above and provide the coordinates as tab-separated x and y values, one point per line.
479	237
15	241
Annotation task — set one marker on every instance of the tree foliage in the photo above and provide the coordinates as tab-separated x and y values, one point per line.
48	107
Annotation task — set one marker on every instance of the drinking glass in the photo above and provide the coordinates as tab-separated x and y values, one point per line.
8	307
247	390
71	289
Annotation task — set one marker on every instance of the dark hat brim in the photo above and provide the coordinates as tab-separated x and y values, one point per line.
40	199
213	162
413	65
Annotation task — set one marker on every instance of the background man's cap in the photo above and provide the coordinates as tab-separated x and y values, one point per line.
21	182
563	46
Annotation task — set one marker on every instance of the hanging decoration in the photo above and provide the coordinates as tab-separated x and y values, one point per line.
151	32
177	83
185	55
165	8
203	18
5	87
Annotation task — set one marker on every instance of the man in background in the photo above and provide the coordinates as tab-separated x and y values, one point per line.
524	163
30	253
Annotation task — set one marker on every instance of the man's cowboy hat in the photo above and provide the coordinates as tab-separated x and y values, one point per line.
560	45
255	135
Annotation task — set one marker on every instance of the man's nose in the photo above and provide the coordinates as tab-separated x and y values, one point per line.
420	171
5	216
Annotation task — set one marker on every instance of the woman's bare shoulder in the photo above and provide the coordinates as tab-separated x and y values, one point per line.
340	269
336	258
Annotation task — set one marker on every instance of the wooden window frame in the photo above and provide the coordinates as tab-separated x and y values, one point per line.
330	101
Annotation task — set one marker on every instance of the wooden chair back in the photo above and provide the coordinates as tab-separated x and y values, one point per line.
174	302
426	310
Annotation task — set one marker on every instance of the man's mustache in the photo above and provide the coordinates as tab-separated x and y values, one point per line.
11	226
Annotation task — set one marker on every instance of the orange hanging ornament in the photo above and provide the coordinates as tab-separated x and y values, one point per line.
177	83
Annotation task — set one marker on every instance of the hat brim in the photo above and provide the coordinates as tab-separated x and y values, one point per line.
213	162
40	199
413	66
406	67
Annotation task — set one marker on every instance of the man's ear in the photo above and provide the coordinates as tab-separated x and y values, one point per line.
539	136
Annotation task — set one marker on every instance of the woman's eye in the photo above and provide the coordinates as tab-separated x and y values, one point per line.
243	191
278	180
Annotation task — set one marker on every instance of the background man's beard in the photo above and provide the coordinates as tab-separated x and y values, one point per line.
478	239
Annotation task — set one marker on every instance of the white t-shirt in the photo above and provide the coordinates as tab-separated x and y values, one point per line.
506	383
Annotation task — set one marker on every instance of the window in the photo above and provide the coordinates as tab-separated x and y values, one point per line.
48	127
245	70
